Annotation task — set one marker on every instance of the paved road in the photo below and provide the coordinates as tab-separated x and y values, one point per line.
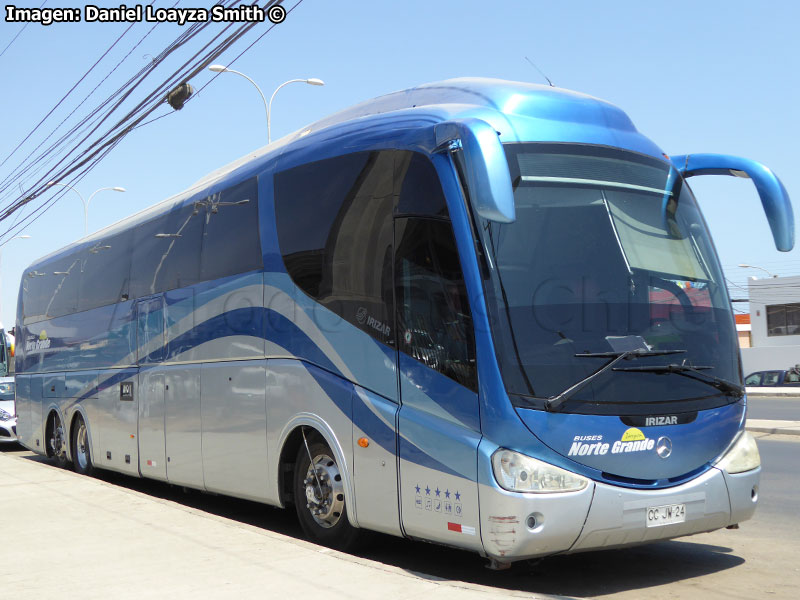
184	544
780	492
771	407
756	561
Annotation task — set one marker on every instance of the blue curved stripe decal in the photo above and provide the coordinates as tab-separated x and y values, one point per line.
376	429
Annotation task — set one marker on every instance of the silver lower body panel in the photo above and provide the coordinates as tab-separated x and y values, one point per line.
618	516
607	516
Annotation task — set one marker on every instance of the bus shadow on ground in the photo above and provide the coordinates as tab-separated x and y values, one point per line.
588	574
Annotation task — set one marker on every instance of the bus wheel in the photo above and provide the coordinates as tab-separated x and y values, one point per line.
319	496
81	456
56	440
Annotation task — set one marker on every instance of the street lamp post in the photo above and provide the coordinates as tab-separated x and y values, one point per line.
744	266
267	105
312	81
86	202
19	237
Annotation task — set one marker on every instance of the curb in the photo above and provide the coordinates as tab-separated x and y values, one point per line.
774	427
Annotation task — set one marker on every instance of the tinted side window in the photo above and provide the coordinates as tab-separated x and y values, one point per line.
308	199
420	190
106	271
166	251
334	220
231	243
51	289
34	295
61	281
434	321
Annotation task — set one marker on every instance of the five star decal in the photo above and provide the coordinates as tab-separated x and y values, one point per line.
439	501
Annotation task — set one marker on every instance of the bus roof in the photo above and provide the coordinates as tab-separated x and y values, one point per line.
519	111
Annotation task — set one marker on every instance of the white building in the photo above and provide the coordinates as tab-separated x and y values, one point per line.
775	324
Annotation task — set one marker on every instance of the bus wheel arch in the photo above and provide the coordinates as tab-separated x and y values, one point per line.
286	465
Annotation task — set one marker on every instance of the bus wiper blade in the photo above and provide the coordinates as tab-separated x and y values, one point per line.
633	352
554	402
695	373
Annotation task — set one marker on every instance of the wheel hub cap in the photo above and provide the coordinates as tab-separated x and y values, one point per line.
324	491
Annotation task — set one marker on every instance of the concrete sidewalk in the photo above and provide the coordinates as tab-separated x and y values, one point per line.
69	536
767	426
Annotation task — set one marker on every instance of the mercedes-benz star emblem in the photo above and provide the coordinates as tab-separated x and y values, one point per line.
664	447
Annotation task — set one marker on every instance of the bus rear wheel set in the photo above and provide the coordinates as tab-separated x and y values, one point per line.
78	440
318	484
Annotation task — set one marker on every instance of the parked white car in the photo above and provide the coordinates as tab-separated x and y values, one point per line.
8	412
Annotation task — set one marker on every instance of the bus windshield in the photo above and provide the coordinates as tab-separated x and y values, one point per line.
608	254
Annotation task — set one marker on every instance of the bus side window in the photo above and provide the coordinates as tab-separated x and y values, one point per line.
231	244
434	322
61	282
166	251
105	271
334	223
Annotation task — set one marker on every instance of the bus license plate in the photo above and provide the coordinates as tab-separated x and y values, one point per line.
666	515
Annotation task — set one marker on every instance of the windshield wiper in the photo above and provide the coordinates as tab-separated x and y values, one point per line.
695	373
634	352
554	402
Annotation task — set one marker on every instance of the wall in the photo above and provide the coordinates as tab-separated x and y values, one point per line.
770	358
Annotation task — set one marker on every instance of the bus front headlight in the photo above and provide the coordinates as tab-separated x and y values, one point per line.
743	455
516	472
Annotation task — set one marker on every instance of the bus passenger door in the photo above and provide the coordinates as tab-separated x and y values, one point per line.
438	420
150	348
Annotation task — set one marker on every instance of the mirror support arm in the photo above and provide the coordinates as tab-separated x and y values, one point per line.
774	197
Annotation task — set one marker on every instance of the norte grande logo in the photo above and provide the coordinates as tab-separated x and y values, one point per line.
633	440
43	343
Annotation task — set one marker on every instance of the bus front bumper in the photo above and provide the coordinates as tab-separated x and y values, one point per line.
520	526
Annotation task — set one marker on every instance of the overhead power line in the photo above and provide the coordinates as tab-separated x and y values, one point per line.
14	39
74	162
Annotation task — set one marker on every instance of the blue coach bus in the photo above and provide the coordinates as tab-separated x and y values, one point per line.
481	313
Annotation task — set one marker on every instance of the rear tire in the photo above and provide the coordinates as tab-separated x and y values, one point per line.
319	497
81	454
56	440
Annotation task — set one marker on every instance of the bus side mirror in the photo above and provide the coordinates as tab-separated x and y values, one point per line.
488	177
774	197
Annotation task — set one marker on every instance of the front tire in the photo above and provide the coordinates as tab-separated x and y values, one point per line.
81	454
319	497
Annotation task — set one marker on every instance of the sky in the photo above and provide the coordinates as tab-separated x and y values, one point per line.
694	76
